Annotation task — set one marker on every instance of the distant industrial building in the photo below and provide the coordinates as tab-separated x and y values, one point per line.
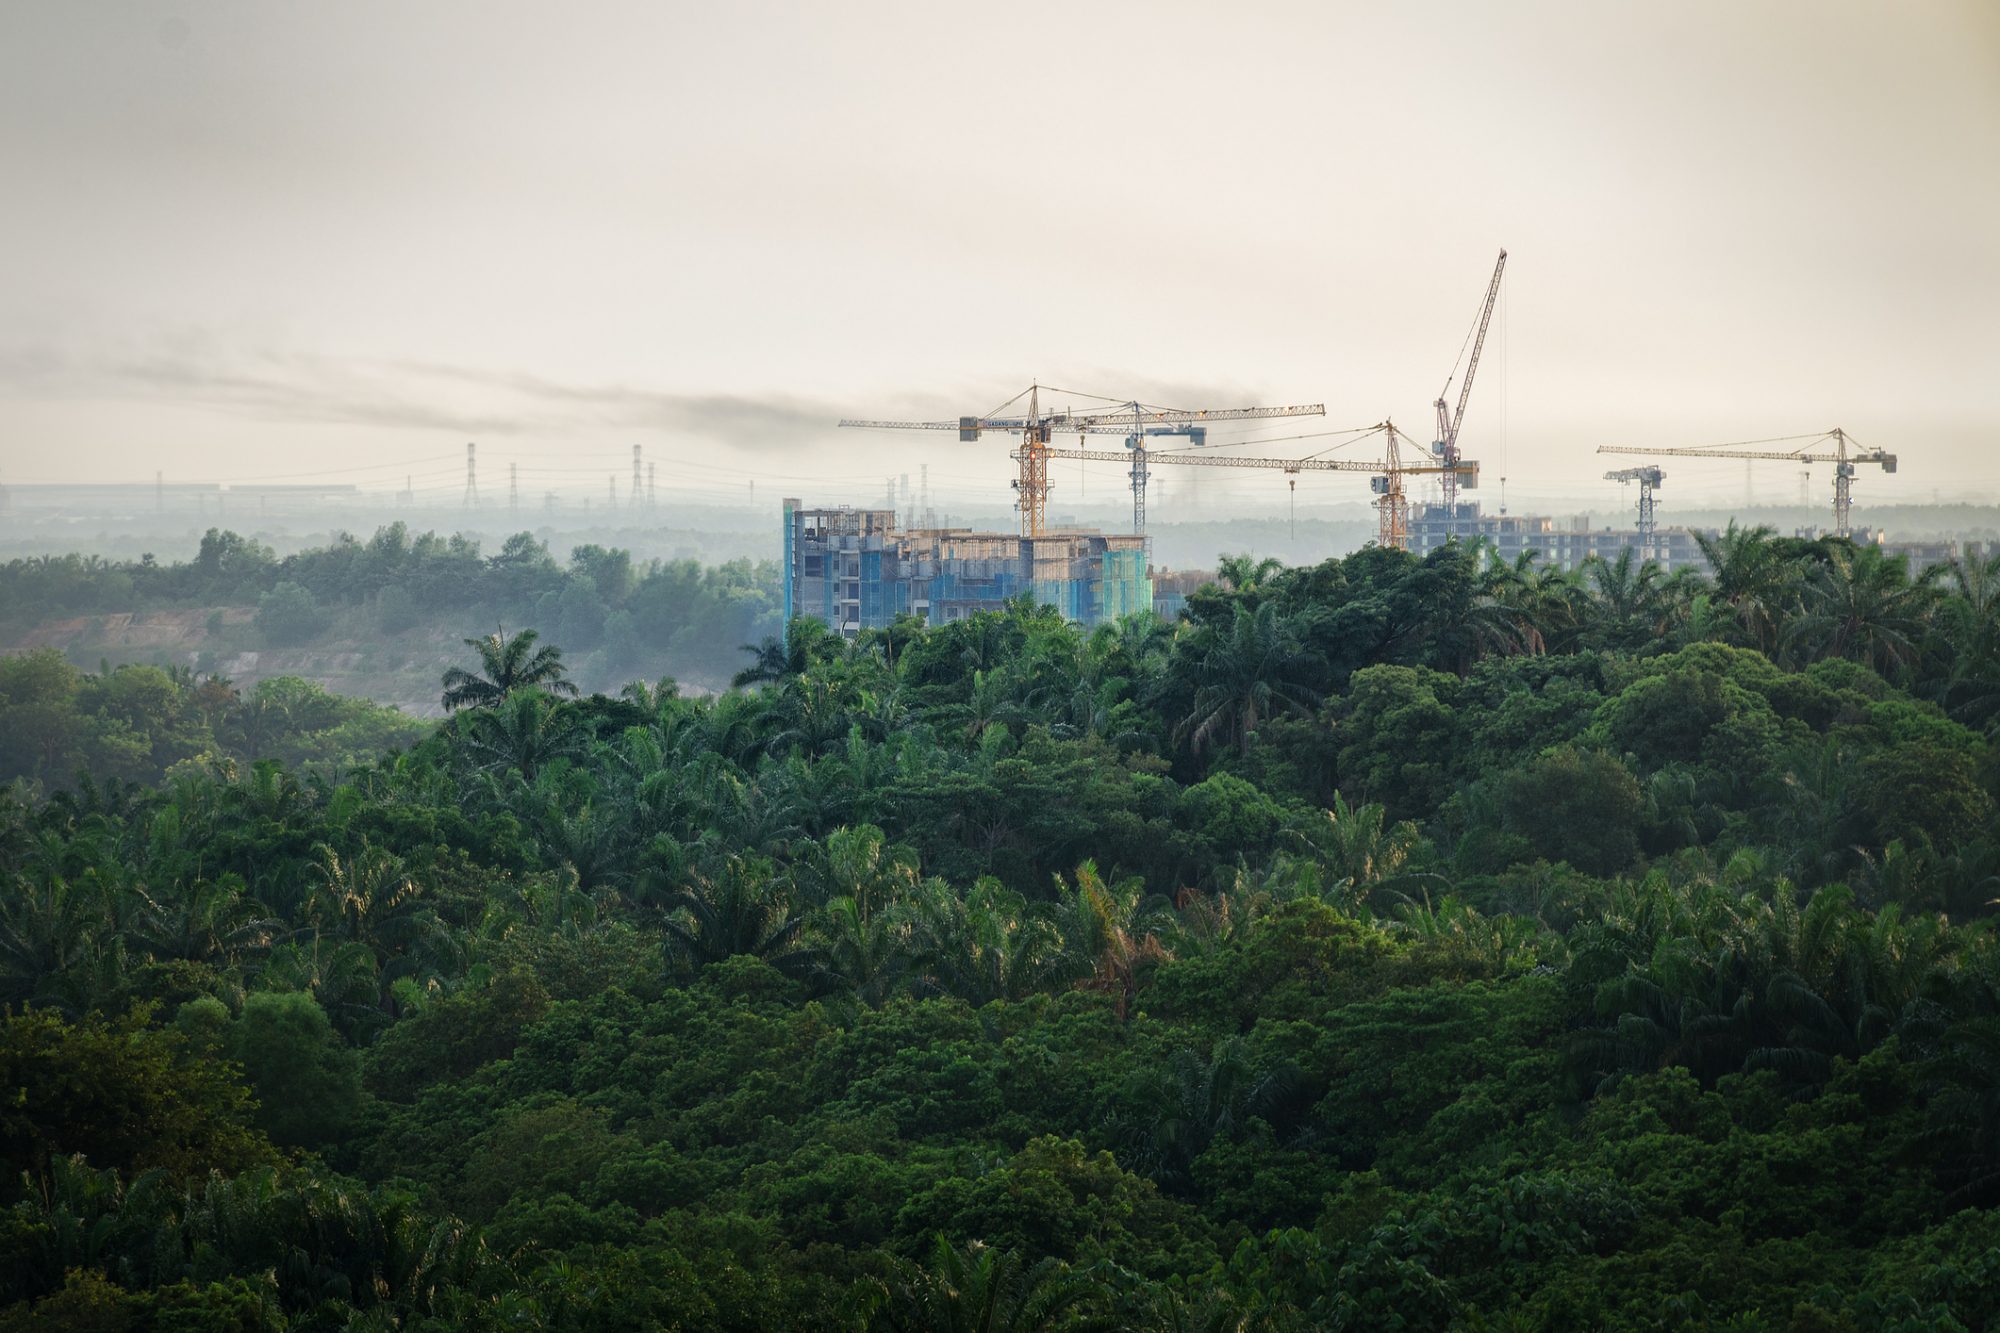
210	499
1563	543
855	569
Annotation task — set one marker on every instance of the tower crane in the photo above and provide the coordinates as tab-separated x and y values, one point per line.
1844	455
1392	508
1197	437
1037	427
1445	447
1649	478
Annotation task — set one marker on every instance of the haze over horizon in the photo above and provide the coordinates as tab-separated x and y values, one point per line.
337	243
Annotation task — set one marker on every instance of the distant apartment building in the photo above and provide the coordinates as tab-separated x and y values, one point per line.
1921	555
855	569
1171	588
1564	544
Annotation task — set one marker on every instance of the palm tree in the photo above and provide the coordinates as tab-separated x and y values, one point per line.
1971	637
804	643
1242	573
860	865
524	732
1471	608
740	910
508	664
1103	931
1197	1098
57	946
1244	677
343	975
986	945
991	704
975	1289
369	898
1630	605
1860	605
1360	847
811	715
1751	578
868	953
211	921
655	698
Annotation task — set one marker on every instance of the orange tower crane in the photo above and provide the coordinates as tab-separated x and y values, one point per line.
1037	427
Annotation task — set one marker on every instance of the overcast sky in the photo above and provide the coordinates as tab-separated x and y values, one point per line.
253	240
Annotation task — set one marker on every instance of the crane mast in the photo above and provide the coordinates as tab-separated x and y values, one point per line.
1649	479
1141	473
1450	419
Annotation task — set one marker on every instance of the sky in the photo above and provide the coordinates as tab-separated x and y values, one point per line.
248	242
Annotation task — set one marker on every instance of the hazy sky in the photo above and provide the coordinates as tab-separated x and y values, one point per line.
254	240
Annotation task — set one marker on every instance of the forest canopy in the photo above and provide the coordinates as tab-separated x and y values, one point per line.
1393	942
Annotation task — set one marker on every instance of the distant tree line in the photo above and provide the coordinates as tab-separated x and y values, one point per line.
630	616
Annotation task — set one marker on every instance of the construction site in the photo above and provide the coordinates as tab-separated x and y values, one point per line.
856	569
859	567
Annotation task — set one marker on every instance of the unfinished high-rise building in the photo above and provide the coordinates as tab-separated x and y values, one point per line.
856	569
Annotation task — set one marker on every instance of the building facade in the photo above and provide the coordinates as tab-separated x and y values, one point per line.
855	569
1563	544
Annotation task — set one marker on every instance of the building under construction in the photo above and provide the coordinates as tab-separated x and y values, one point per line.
855	569
1563	543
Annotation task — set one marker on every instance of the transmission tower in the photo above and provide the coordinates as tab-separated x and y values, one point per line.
635	477
652	483
472	476
513	488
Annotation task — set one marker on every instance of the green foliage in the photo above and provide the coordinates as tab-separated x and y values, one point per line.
1392	943
121	1093
1580	806
307	1082
288	615
139	723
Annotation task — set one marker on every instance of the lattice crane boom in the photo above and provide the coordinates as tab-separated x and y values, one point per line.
1468	468
1846	452
1035	428
1389	471
1449	422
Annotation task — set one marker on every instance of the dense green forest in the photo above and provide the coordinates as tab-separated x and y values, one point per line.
135	723
616	616
1390	943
